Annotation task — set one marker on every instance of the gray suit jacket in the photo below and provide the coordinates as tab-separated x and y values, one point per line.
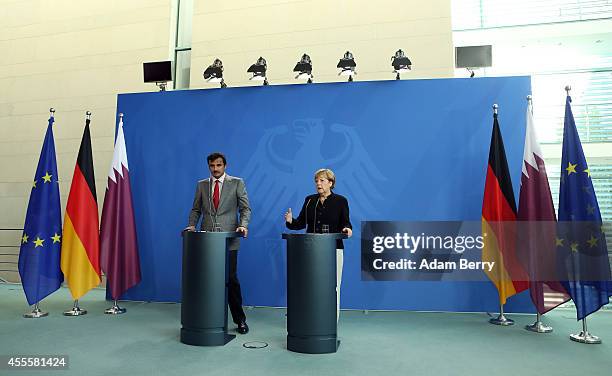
233	203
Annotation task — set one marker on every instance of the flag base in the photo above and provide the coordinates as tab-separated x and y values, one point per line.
539	327
501	320
585	337
115	310
75	311
35	314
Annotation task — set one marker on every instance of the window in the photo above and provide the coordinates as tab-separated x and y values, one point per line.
591	105
182	46
482	14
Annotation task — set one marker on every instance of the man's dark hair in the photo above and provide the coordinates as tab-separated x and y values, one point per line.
216	155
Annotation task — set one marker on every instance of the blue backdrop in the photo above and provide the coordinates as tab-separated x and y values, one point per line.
401	150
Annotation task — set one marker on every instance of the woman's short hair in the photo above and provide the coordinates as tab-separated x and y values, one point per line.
327	174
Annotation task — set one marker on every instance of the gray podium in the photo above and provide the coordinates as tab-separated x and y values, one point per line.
204	288
311	293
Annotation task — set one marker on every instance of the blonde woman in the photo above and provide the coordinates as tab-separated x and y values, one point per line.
325	211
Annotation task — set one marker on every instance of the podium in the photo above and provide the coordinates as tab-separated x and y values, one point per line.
311	293
204	288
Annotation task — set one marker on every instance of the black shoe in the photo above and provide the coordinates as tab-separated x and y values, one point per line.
243	328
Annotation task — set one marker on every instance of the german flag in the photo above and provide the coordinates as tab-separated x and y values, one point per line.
80	259
498	223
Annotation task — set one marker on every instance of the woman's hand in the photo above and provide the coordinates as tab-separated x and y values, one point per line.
347	231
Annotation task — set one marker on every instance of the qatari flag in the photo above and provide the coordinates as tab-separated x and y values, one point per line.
536	246
118	243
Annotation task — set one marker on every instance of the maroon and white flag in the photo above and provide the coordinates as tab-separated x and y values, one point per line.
537	226
118	243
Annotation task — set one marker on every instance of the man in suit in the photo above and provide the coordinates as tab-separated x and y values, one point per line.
220	200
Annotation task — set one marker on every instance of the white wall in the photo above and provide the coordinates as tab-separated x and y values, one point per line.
240	31
73	56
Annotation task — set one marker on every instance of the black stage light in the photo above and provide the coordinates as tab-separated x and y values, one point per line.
214	73
347	66
401	63
304	69
259	71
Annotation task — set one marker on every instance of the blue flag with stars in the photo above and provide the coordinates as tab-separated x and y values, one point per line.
39	256
581	241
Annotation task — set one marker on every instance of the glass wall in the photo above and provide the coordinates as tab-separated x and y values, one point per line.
182	50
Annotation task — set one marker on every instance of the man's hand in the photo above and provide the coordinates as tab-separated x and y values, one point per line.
347	231
189	228
243	230
288	216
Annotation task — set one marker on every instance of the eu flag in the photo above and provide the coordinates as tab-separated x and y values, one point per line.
581	242
39	257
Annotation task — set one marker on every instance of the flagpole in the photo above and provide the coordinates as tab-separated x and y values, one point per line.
36	313
530	103
501	319
119	249
584	336
537	326
529	100
115	309
76	310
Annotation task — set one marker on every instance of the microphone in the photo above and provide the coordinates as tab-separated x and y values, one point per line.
314	220
306	215
210	180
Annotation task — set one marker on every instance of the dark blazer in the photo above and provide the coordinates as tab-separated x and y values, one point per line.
234	209
334	212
